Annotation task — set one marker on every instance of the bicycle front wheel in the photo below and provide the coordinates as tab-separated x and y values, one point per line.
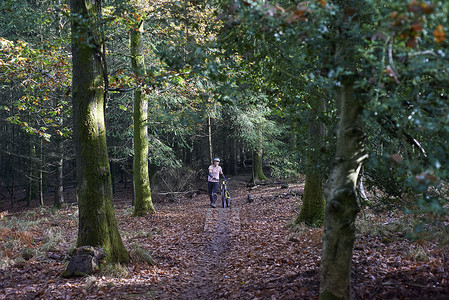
223	197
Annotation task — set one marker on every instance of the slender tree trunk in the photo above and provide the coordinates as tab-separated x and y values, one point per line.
58	199
12	162
33	186
341	205
34	174
313	202
13	187
97	221
258	159
142	191
211	150
41	173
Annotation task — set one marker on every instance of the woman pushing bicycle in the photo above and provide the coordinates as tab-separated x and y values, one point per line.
212	181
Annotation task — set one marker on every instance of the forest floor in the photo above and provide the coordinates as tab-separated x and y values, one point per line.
247	251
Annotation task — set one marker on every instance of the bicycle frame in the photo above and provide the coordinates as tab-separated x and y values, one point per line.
225	195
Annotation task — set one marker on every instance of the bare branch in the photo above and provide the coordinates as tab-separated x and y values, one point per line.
427	52
392	67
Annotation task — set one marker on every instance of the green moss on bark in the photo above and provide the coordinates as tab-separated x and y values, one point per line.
143	203
312	209
97	221
258	166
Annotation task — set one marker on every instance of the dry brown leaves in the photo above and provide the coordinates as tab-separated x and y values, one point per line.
256	258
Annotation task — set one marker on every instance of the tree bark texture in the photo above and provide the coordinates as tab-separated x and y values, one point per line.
58	199
341	201
33	183
313	202
41	174
97	221
341	195
211	150
258	165
143	203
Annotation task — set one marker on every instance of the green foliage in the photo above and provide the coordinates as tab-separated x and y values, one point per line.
383	174
39	76
408	99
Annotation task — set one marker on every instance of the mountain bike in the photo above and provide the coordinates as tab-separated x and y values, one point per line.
225	195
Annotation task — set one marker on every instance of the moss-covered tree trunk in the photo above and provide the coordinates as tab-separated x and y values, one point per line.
313	202
142	191
97	221
312	209
258	165
341	200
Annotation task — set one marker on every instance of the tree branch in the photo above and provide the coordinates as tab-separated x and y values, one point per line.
392	67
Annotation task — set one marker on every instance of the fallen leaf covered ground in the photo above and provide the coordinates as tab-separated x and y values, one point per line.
247	251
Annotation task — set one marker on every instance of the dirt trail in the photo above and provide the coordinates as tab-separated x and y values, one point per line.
228	257
220	225
208	253
246	252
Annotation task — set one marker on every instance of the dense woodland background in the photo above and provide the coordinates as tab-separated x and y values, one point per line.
349	97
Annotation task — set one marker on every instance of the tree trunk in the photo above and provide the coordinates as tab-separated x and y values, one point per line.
97	221
142	191
58	199
341	204
258	165
211	150
258	174
312	209
313	203
341	194
33	184
41	174
12	162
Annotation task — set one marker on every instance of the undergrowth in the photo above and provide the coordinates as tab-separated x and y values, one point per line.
139	254
394	225
114	270
23	239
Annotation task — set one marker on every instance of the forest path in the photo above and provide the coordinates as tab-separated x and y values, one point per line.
246	252
228	253
206	251
220	227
